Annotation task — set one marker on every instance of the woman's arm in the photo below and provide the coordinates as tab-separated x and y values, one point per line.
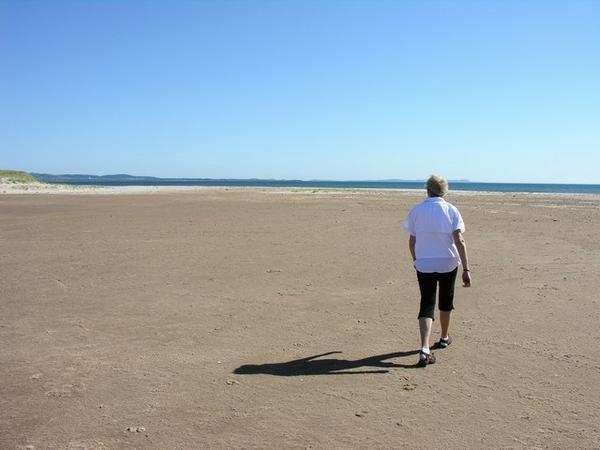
461	245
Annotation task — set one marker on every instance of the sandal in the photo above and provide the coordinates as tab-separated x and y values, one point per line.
443	343
425	359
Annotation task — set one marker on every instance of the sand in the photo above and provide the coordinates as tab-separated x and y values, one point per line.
61	189
187	319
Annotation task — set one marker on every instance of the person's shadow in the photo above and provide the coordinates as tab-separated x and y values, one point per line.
331	366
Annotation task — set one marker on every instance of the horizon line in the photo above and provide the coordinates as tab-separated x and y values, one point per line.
384	180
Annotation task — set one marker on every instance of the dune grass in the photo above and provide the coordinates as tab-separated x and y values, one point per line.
17	177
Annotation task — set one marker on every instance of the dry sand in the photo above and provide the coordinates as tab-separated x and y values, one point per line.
124	319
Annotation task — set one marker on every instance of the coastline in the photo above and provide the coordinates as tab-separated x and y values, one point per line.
68	189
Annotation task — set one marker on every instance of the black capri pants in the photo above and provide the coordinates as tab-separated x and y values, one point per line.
428	285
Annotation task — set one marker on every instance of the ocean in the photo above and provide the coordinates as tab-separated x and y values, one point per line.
456	186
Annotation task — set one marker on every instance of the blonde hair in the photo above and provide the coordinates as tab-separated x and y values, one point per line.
437	186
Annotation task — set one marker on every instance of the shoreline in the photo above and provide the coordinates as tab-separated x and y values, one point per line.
64	189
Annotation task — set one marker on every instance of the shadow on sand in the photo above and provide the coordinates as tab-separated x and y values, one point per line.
330	366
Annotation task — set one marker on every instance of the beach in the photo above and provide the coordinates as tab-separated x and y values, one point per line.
161	318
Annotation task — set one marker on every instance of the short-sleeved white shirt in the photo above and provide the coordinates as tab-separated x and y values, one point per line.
432	223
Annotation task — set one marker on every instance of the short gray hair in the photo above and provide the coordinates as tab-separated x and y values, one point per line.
437	185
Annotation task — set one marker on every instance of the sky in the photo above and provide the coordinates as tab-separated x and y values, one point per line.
490	91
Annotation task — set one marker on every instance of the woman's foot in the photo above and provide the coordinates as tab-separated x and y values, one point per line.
425	359
444	342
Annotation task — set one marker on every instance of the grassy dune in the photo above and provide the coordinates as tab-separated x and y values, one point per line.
17	177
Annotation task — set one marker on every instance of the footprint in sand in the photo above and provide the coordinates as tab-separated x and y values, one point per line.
87	445
66	390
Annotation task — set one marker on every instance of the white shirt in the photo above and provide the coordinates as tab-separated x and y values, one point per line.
433	222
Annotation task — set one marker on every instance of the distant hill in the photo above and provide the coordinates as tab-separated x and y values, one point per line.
73	178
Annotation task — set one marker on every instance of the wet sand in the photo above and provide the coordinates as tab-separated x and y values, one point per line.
188	319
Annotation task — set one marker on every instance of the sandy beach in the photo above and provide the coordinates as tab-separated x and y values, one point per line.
194	319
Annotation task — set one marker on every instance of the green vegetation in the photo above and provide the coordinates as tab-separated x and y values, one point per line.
14	177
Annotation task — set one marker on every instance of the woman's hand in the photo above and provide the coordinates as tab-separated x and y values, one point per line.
466	278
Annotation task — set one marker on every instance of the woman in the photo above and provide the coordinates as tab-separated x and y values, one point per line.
437	247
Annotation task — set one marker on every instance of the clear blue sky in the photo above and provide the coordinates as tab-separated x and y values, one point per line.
485	90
